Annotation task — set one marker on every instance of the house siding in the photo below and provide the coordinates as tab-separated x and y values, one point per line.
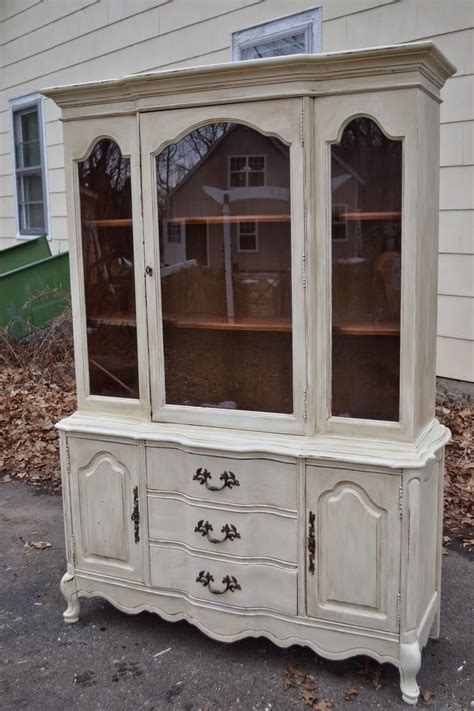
45	42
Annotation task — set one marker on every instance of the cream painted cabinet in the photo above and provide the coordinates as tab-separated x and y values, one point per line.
105	482
354	534
253	253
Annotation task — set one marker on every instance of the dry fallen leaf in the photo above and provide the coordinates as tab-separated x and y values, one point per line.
352	692
427	697
307	689
323	705
37	545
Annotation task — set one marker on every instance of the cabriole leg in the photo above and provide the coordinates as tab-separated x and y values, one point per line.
410	663
68	589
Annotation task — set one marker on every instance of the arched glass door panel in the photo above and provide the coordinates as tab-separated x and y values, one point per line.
225	249
366	188
108	263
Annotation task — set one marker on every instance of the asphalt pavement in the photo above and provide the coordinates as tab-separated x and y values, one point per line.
117	662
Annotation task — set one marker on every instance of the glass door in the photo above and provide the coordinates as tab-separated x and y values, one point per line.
224	196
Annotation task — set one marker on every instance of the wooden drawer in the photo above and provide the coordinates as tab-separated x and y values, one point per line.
261	585
257	481
256	534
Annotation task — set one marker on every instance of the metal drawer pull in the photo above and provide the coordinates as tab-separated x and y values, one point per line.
228	529
202	475
231	584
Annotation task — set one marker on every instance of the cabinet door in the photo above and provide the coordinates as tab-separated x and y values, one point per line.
105	493
353	535
223	203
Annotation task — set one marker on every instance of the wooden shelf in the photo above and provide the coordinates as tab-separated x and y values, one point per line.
267	324
221	219
352	216
113	320
119	222
366	327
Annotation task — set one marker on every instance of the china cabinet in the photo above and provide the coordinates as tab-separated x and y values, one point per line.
254	276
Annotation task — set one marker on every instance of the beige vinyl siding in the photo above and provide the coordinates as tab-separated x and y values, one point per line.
46	42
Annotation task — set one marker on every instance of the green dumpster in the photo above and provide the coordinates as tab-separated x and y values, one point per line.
33	294
24	253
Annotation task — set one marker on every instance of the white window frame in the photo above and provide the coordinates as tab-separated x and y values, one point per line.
239	232
20	104
308	22
247	156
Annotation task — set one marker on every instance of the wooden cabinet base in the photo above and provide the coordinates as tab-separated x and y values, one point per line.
340	556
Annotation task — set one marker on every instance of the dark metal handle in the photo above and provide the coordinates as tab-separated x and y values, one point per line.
231	584
202	476
311	542
228	529
136	514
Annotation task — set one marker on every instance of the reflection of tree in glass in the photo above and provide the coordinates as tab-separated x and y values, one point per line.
176	160
376	159
104	178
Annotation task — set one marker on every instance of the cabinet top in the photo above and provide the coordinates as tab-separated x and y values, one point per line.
417	64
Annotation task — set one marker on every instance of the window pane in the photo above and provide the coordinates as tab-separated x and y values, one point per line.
30	154
27	140
293	44
29	126
107	248
36	216
226	313
30	202
366	188
33	188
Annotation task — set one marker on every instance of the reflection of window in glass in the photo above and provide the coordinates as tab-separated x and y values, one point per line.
366	192
246	171
248	237
339	224
174	232
109	282
29	163
294	34
226	285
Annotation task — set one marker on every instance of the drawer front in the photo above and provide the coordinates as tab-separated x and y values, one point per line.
238	480
233	583
253	534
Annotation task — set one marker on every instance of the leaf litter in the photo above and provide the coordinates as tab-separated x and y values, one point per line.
307	690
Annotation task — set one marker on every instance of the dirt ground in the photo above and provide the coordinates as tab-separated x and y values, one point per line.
116	662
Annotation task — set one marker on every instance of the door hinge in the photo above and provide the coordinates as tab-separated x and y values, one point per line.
305	405
302	122
303	270
73	550
136	515
400	501
311	542
68	459
399	604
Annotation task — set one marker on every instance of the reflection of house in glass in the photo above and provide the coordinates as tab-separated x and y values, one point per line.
225	246
229	184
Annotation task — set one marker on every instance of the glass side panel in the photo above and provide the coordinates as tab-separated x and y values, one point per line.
109	283
366	187
225	246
